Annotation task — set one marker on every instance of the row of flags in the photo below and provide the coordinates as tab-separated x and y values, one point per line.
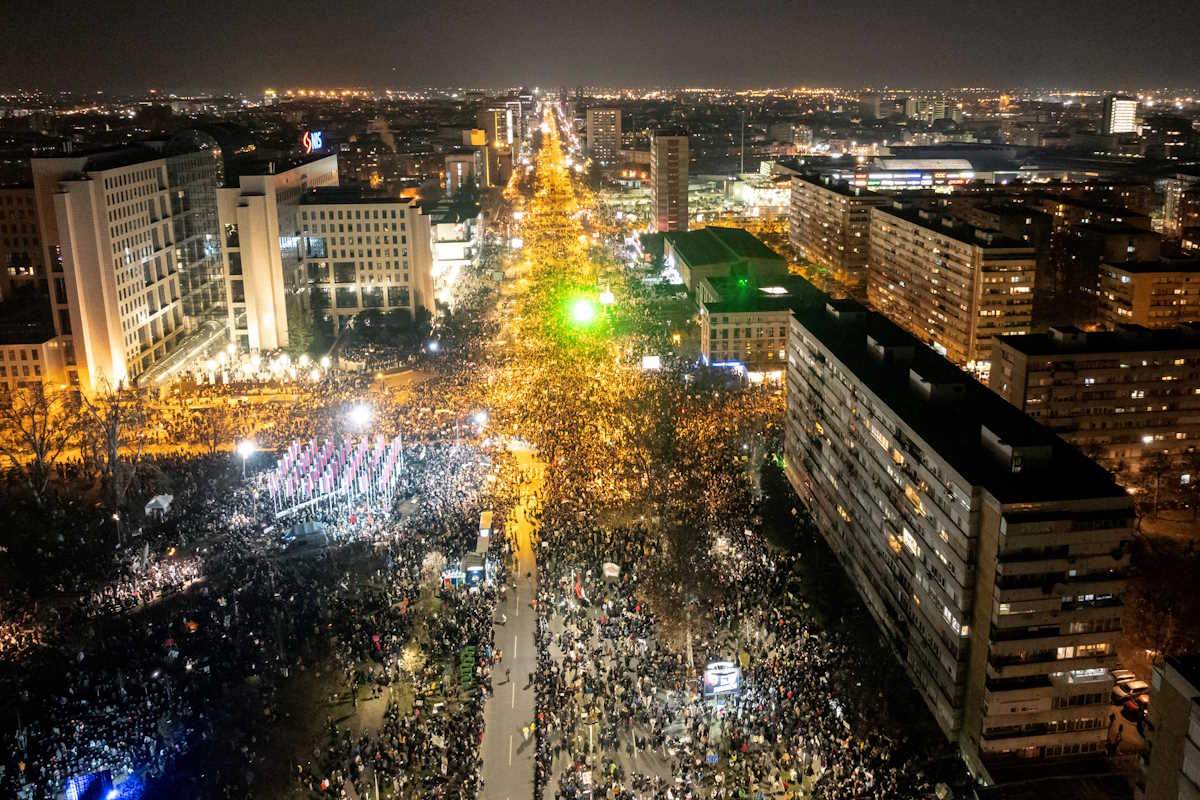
335	472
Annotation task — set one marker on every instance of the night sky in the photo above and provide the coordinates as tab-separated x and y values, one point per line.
193	45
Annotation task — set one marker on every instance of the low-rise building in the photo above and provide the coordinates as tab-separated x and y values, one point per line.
1156	294
991	553
744	323
27	364
1172	770
1120	396
715	251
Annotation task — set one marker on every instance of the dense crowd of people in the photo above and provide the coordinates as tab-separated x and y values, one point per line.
180	666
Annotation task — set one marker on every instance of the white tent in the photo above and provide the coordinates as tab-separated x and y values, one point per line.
159	504
611	571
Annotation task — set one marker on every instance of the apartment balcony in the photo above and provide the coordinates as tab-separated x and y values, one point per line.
1000	649
1047	663
996	718
1018	740
1011	566
1055	615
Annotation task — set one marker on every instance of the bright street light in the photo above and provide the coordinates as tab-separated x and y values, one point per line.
480	418
245	449
360	416
583	312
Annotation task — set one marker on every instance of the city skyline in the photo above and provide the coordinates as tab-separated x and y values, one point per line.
669	44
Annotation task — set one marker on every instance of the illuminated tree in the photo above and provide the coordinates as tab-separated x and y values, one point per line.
113	437
36	425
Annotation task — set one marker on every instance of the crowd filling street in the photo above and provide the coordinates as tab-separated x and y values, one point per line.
355	649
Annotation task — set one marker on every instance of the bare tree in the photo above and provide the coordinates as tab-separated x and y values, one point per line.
215	428
114	435
36	426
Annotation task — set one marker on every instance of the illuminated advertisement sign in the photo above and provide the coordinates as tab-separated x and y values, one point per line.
722	677
313	141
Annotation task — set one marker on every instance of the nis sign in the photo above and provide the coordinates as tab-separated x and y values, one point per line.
313	141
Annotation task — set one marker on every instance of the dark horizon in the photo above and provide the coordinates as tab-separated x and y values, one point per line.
122	46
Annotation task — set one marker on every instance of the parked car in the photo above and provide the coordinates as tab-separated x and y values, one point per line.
1125	691
1122	676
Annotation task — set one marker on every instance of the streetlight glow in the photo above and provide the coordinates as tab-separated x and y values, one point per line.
360	415
583	312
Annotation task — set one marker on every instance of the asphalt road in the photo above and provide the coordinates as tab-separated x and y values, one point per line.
507	753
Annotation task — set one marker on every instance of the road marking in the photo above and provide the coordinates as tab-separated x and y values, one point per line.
510	738
515	640
514	696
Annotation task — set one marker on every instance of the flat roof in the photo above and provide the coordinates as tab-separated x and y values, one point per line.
347	195
953	427
1162	264
740	294
841	187
715	244
1069	340
937	164
955	228
267	165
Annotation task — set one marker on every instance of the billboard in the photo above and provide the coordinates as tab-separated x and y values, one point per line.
312	141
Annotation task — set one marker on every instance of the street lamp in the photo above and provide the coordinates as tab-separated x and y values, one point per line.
582	312
480	418
245	449
360	416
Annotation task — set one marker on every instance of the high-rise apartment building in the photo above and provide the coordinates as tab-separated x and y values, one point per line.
21	253
1157	294
870	106
1120	396
464	167
267	285
363	251
991	554
1171	770
1120	114
499	129
952	285
116	288
604	135
830	225
669	180
1181	210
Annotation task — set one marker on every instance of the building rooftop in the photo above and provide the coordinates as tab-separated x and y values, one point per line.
739	294
1064	340
1162	264
949	410
266	165
714	244
1188	666
347	195
954	228
841	187
935	164
671	130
